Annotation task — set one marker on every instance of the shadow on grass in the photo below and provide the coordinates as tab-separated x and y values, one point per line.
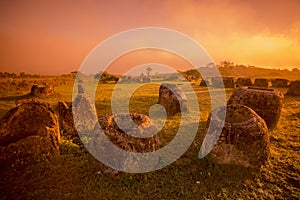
29	96
16	97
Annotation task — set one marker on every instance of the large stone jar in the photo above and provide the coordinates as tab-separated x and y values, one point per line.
267	103
244	139
28	133
172	98
119	130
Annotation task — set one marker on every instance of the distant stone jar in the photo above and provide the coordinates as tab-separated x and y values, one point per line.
28	133
261	82
243	82
218	82
244	139
172	98
228	82
42	90
267	103
294	88
280	82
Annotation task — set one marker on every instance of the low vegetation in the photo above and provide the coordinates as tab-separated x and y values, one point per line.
72	175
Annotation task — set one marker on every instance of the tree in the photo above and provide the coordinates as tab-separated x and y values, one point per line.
149	69
226	64
22	74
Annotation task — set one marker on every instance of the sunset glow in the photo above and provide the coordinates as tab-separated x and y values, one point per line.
54	37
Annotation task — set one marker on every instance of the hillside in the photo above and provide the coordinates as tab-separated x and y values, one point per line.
247	71
255	72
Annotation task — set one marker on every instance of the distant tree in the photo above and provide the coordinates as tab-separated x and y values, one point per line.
22	74
104	77
149	69
226	64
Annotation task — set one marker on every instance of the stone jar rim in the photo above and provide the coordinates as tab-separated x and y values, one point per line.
252	119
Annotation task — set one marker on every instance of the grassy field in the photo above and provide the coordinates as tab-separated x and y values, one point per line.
72	176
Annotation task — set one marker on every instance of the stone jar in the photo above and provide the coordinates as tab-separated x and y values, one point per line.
267	103
244	139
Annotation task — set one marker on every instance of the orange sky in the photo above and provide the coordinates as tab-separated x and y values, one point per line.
54	37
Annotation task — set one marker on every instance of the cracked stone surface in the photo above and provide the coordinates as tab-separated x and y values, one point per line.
267	103
244	139
28	133
172	98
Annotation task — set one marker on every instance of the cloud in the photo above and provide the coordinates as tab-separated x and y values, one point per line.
62	33
265	33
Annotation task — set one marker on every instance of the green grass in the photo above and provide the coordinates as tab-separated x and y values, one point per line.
73	176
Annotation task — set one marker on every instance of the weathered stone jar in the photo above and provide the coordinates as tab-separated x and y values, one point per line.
261	82
172	98
244	139
86	116
121	138
294	88
219	82
280	82
42	90
243	82
28	133
267	103
66	118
